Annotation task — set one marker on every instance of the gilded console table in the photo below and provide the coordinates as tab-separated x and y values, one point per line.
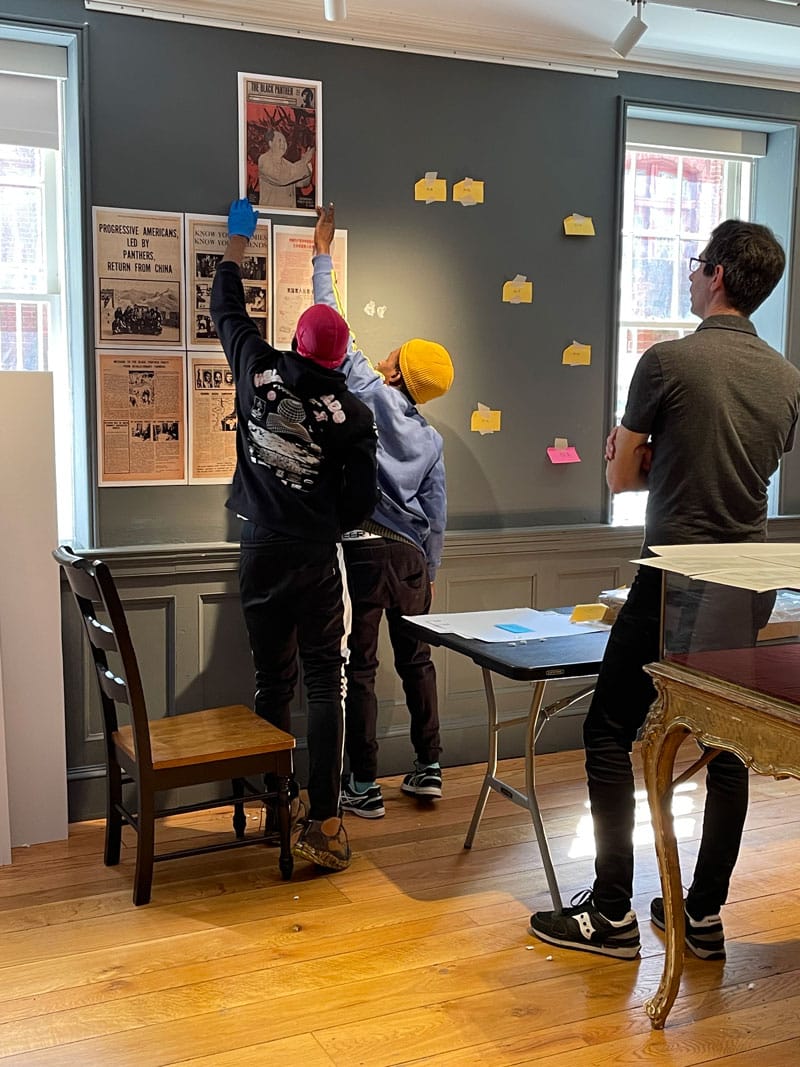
760	727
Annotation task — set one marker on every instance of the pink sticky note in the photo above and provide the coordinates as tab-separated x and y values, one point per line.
563	455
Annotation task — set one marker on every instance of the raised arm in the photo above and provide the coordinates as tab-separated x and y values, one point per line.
242	221
323	278
237	332
360	374
325	230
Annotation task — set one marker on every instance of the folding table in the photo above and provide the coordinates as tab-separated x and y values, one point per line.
538	661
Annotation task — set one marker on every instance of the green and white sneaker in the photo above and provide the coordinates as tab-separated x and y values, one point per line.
367	804
423	781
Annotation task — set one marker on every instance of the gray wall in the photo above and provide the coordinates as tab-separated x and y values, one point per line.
163	124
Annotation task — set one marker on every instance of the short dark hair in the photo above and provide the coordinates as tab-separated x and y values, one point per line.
751	259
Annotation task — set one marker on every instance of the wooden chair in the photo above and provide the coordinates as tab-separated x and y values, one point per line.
169	753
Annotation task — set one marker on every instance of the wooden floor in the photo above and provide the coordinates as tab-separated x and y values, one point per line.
416	955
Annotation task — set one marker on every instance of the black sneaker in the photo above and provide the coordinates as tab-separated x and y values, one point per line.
369	804
704	937
583	927
423	781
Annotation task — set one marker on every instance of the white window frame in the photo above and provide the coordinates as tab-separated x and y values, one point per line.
31	47
628	509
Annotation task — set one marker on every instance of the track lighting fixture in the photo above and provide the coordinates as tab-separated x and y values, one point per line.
632	33
335	10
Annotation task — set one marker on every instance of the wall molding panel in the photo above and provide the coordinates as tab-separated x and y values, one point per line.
191	640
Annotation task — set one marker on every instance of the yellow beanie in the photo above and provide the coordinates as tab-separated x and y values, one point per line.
426	368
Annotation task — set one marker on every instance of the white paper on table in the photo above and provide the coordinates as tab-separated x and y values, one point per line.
440	624
757	579
752	565
687	565
774	559
713	553
486	625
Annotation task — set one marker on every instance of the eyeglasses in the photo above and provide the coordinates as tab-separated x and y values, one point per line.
695	262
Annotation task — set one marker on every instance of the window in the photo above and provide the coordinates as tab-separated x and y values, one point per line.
671	203
30	265
41	325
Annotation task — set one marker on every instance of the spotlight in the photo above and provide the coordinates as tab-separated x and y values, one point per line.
632	33
335	10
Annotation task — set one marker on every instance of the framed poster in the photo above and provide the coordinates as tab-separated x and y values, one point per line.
212	419
206	240
293	247
138	278
280	143
141	418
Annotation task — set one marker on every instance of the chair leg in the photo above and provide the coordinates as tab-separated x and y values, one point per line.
285	860
239	817
145	849
113	817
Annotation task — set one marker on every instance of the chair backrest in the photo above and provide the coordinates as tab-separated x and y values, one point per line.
91	584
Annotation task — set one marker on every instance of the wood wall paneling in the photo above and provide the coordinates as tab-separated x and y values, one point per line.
187	625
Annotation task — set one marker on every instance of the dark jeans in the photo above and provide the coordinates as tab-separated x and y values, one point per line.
292	601
391	577
620	704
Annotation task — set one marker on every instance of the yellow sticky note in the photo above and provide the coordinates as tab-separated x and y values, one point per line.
485	420
588	613
518	291
577	355
431	188
468	192
578	225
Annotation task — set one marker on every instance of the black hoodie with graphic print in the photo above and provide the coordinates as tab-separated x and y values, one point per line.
305	446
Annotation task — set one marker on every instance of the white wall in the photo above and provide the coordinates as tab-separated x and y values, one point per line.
5	821
32	750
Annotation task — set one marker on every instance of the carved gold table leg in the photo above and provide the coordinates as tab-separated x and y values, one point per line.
660	744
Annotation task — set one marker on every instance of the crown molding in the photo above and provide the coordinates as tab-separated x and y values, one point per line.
427	35
731	72
424	35
779	13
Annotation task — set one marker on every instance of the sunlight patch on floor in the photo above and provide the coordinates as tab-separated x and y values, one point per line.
685	811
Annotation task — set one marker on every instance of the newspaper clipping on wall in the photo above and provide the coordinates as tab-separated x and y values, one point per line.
141	418
293	292
206	239
212	419
280	143
138	278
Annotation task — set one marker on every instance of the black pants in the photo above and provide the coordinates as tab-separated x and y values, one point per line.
620	704
291	595
392	577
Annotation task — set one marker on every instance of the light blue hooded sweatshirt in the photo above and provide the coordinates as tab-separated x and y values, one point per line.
411	476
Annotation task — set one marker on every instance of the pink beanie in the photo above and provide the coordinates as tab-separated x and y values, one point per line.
322	335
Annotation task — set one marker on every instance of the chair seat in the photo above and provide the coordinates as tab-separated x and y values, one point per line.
207	737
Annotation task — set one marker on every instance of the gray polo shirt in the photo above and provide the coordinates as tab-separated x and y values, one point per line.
720	407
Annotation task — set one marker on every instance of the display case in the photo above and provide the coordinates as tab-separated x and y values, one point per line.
729	677
745	637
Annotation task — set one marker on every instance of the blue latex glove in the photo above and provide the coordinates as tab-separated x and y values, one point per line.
242	219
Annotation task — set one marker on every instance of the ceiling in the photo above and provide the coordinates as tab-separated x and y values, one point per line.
751	41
